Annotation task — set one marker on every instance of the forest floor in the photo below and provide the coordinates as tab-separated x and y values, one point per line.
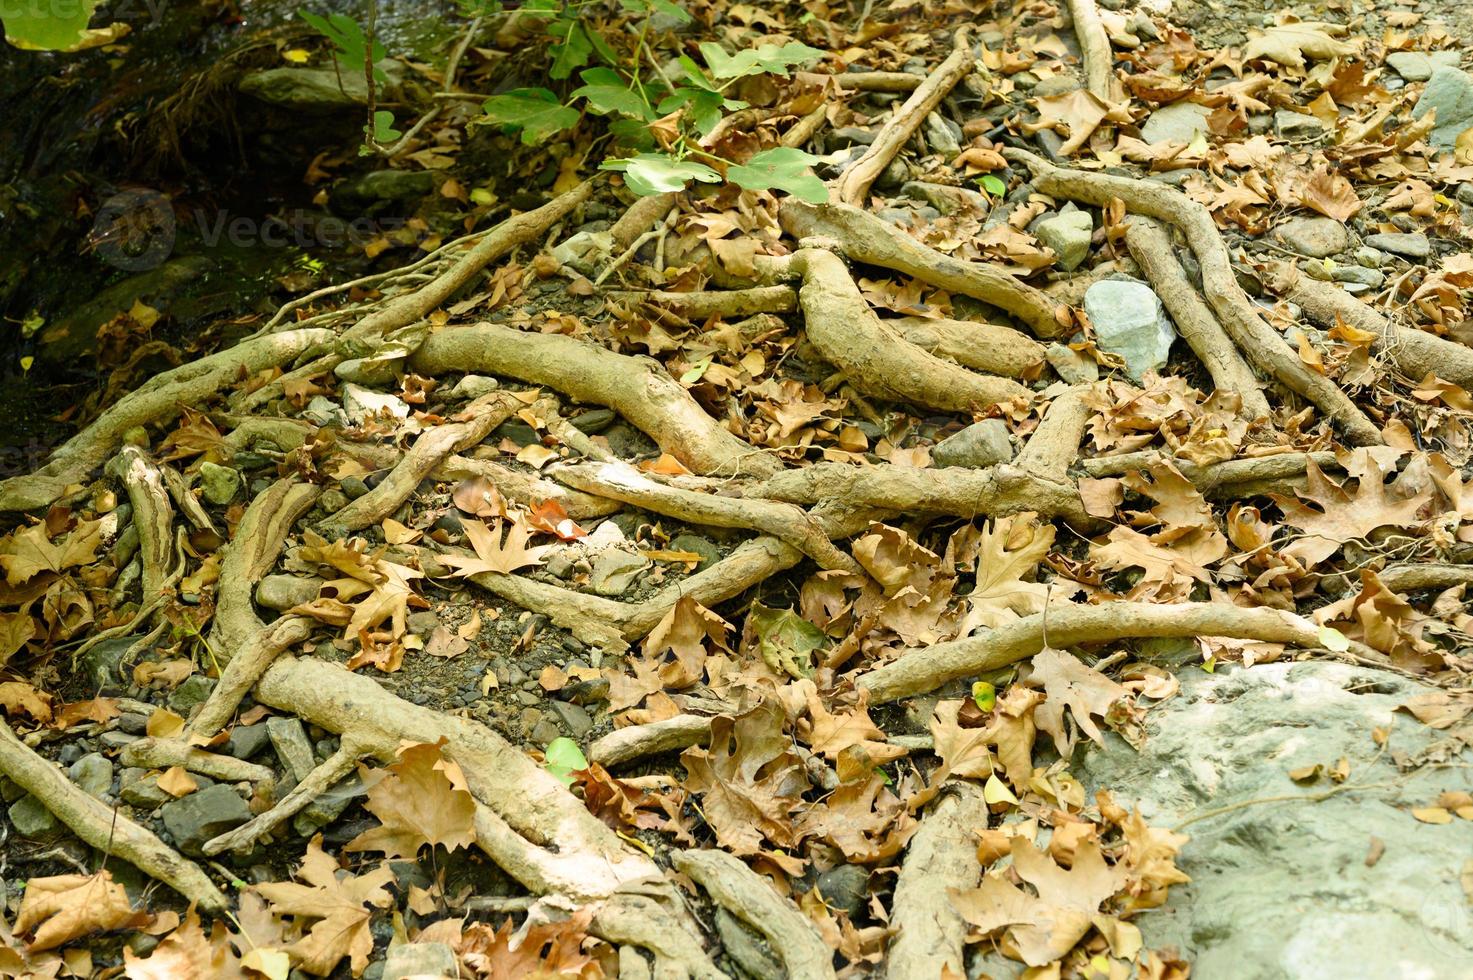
684	585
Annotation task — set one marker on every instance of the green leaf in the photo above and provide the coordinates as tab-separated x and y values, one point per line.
349	42
563	758
383	127
633	134
695	371
607	92
535	111
992	184
671	9
704	105
769	58
574	50
985	695
1333	639
654	173
782	168
42	26
786	640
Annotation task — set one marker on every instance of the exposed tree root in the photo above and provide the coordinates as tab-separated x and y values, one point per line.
1067	625
742	892
158	400
641	216
725	303
1254	337
322	778
927	936
153	516
853	186
980	346
1416	353
1054	445
637	388
103	827
863	237
638	741
525	489
1150	244
876	359
880	81
647	920
1225	479
161	753
1099	57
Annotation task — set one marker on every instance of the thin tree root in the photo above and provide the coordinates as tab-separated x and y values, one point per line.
640	741
1099	57
1151	246
702	304
1239	317
879	81
153	516
853	186
927	936
103	827
1054	445
1224	479
641	216
743	893
1068	624
161	753
981	346
322	778
864	237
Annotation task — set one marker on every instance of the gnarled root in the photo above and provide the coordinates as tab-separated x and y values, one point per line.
1232	478
322	777
980	346
638	741
161	753
716	302
1054	445
153	516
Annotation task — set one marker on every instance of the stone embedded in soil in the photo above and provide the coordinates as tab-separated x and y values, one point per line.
92	773
1370	278
1129	321
202	815
1449	91
30	818
981	444
1074	367
1412	246
473	386
283	592
1179	122
312	90
218	484
1068	234
292	746
420	960
100	664
1285	889
746	947
1315	237
191	693
1296	125
694	543
615	571
845	887
247	740
574	718
1418	66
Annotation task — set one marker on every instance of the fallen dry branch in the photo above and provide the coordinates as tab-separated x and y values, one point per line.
637	388
927	936
1150	244
873	356
638	741
853	186
1054	445
161	753
879	81
102	826
1239	317
980	346
322	778
864	237
157	400
1069	624
742	892
1094	43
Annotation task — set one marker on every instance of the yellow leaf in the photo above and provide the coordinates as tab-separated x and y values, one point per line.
177	782
296	56
1432	814
163	723
996	791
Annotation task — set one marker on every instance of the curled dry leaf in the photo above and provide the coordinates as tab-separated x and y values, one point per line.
57	910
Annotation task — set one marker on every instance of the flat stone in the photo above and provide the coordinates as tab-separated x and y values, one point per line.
1418	66
1129	321
283	592
93	773
574	718
1315	237
979	445
1286	890
473	386
202	815
942	135
361	404
420	960
1072	366
1179	122
292	745
218	484
191	693
615	571
248	740
1412	246
30	818
1370	278
1450	92
1068	234
140	788
1296	125
1371	258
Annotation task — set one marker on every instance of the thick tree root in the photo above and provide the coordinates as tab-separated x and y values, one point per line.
1054	445
1254	337
153	516
853	186
322	778
103	827
984	347
637	388
647	920
1232	478
639	741
1067	625
927	936
724	303
1151	246
1099	57
1416	353
876	359
742	892
880	81
157	400
161	753
864	237
641	216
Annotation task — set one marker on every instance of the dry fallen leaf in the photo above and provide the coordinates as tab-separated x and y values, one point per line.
57	910
338	905
420	799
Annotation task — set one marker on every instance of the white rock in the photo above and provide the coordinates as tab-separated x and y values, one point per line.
1129	321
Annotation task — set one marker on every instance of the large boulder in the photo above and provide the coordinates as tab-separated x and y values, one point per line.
1290	882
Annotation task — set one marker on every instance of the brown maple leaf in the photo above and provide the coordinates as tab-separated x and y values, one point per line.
420	799
1068	683
493	553
830	734
30	551
187	953
57	910
1345	515
551	949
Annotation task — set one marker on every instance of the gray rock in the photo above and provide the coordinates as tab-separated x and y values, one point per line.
1370	278
140	788
1056	85
1315	237
283	592
1418	66
100	665
473	386
942	135
1413	246
1285	890
574	718
218	484
1068	234
420	960
1129	321
545	731
313	90
423	622
1071	365
93	773
332	501
191	693
615	571
1296	125
322	410
292	745
203	814
387	185
1179	122
1371	258
686	541
1450	92
30	818
247	740
845	887
747	948
979	445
